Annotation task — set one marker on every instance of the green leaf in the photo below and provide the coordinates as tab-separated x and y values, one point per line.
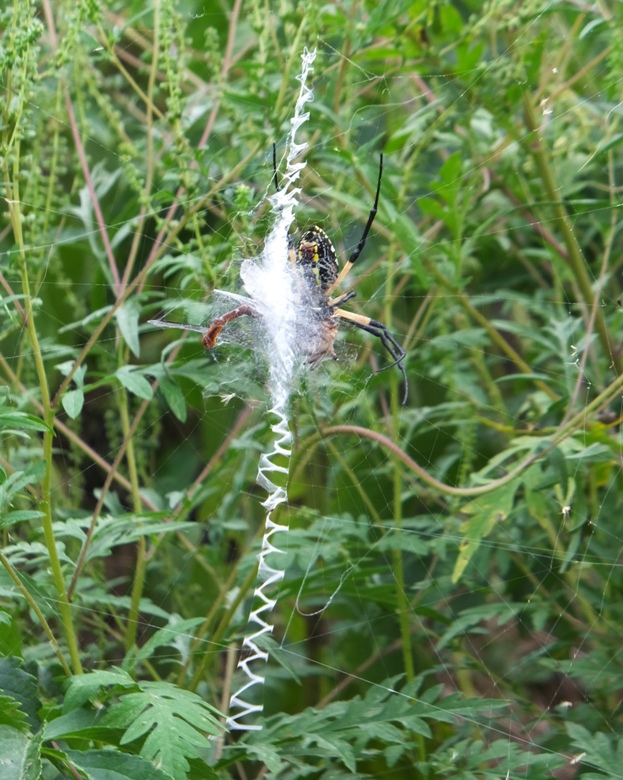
487	511
177	634
94	316
73	401
134	382
85	722
602	751
171	722
79	373
19	755
170	719
21	687
127	316
21	420
112	531
412	243
588	28
471	620
595	453
19	516
11	714
432	207
15	483
113	765
174	397
85	688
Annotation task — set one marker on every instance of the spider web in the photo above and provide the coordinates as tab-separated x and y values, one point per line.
528	620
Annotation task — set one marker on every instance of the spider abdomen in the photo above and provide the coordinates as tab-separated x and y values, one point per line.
316	256
318	343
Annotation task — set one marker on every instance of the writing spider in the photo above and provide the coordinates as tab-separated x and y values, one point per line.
315	257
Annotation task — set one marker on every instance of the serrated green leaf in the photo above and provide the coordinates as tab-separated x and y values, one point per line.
336	747
11	714
473	619
273	758
487	511
14	484
112	531
19	516
22	688
177	634
400	541
601	751
171	719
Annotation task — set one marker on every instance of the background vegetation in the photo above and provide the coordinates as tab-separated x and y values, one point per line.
453	594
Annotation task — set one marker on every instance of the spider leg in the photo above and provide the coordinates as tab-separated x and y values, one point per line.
178	325
359	248
210	333
216	326
387	340
341	299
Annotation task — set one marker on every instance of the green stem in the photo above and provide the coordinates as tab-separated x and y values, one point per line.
139	572
402	602
563	432
223	626
48	417
35	608
575	259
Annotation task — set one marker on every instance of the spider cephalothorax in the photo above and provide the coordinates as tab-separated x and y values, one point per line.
316	257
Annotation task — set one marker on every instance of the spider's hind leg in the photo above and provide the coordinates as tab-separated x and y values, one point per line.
387	340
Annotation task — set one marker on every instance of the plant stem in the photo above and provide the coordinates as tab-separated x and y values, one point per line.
12	186
402	603
575	259
139	572
35	608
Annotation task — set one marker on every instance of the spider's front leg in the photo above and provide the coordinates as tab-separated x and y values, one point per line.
217	325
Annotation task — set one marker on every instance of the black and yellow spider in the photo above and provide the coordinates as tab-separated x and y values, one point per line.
316	258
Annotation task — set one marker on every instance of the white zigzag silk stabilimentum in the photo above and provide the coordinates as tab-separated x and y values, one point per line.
271	283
